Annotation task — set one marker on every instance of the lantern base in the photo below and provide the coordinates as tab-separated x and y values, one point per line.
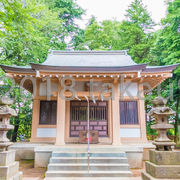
162	165
9	168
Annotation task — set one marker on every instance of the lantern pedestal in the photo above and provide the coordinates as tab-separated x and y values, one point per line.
9	168
162	165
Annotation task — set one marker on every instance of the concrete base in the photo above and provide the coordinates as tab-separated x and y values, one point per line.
134	154
162	165
41	152
9	169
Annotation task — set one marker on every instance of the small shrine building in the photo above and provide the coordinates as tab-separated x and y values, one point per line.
111	77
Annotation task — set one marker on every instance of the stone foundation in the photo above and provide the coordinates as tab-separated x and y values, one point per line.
9	168
162	165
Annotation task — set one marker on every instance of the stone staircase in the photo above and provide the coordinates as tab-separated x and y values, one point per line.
63	165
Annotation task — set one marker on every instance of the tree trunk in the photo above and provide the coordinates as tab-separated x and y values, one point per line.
14	136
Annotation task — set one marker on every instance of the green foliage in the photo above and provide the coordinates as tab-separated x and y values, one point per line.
22	122
131	34
137	13
102	36
168	41
167	51
68	11
29	29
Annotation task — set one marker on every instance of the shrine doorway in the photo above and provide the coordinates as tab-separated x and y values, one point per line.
98	115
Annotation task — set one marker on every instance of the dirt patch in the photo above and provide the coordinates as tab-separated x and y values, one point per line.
27	167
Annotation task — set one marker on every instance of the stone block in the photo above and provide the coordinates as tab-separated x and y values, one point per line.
7	172
23	152
165	157
163	171
135	159
42	158
18	176
7	157
146	176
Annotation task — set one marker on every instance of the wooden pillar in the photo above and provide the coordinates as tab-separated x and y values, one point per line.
60	124
142	114
35	114
116	116
35	119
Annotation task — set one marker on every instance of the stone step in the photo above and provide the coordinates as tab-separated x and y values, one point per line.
84	149
51	174
94	160
71	154
84	167
97	178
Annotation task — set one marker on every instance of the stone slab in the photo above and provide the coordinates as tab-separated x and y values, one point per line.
165	157
23	152
90	178
42	159
146	176
163	171
7	157
18	176
7	172
135	159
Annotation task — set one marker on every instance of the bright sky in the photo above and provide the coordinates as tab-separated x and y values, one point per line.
116	9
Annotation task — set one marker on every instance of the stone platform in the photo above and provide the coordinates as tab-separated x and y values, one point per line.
41	152
9	168
162	165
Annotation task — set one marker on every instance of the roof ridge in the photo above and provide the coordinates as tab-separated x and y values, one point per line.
87	52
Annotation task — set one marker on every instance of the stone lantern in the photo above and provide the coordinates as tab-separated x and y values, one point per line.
161	114
8	166
5	113
164	163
